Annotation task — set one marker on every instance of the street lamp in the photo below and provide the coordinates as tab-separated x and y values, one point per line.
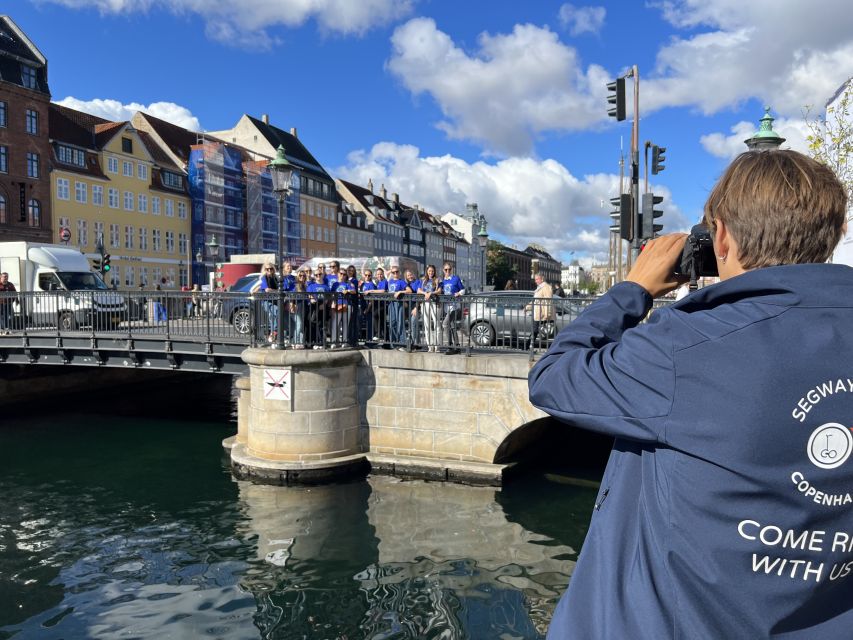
213	250
483	241
282	173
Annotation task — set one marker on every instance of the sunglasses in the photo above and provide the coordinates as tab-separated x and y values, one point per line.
269	269
448	269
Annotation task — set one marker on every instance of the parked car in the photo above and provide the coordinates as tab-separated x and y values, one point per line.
235	309
500	317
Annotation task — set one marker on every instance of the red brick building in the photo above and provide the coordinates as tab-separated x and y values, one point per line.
24	142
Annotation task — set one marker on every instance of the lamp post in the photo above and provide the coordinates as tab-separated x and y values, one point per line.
483	241
282	173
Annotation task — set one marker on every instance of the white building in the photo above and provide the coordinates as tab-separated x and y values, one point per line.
470	258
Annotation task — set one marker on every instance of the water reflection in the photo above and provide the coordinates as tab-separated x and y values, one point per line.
114	525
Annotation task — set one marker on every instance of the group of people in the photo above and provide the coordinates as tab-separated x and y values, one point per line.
341	307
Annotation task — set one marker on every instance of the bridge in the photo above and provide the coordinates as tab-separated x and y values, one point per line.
337	405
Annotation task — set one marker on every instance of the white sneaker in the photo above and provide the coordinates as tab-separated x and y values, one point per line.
317	346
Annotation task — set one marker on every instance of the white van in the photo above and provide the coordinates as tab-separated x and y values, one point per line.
60	288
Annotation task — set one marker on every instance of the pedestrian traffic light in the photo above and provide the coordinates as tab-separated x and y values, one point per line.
105	263
658	159
96	264
616	99
650	229
621	216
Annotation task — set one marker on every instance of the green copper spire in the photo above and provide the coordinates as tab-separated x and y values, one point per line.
765	137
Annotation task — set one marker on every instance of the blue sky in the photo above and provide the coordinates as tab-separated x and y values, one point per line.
493	101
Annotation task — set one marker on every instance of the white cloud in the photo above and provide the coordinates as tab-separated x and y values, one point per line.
524	200
517	86
788	54
728	146
246	23
116	111
580	20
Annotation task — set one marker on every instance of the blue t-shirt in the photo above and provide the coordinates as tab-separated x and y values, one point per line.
265	284
415	285
316	287
288	283
396	285
380	285
342	287
452	285
330	280
368	285
426	286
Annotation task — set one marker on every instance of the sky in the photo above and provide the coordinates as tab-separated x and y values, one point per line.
496	102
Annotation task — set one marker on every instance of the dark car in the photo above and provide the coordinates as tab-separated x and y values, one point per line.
236	309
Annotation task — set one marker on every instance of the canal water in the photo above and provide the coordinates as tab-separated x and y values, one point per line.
126	522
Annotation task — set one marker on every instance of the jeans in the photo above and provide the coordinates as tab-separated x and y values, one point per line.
272	314
160	314
5	315
296	334
448	326
397	324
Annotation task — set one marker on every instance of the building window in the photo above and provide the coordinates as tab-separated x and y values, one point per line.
331	235
143	239
128	237
129	276
127	169
142	171
4	214
62	189
325	234
34	213
155	239
170	242
155	205
33	165
4	159
172	180
28	76
143	203
82	233
69	155
310	231
182	210
3	114
114	235
303	230
182	243
97	195
81	192
127	145
32	122
143	276
112	198
112	164
128	200
170	208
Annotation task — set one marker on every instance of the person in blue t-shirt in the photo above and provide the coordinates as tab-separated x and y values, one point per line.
333	274
268	283
396	313
412	308
288	280
365	287
451	289
380	310
341	311
318	310
353	306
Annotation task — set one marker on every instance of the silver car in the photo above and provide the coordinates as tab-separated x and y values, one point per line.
503	318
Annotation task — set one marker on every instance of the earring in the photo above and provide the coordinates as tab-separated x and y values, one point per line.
722	259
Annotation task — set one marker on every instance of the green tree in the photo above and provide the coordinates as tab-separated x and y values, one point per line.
830	136
498	267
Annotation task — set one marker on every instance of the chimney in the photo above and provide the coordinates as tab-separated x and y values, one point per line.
382	192
265	118
370	185
293	132
396	198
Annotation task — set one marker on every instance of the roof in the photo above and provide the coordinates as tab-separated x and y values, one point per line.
159	156
296	152
16	49
106	131
178	139
367	199
72	126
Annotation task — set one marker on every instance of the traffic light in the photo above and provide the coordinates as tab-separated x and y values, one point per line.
658	159
616	99
621	216
650	229
105	263
96	264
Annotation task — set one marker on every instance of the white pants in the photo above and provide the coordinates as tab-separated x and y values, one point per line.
432	326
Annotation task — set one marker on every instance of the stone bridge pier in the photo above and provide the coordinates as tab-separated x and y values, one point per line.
312	416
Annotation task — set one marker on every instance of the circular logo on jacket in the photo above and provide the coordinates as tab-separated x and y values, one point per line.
830	445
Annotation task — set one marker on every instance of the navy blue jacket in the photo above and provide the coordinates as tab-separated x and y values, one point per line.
725	510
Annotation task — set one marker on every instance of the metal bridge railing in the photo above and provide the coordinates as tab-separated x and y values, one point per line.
503	321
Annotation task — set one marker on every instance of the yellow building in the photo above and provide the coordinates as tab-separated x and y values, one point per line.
110	182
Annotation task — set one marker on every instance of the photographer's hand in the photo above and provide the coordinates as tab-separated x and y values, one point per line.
655	265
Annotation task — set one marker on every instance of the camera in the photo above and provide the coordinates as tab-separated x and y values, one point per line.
698	259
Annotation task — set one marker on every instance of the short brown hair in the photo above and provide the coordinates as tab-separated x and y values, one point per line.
780	206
